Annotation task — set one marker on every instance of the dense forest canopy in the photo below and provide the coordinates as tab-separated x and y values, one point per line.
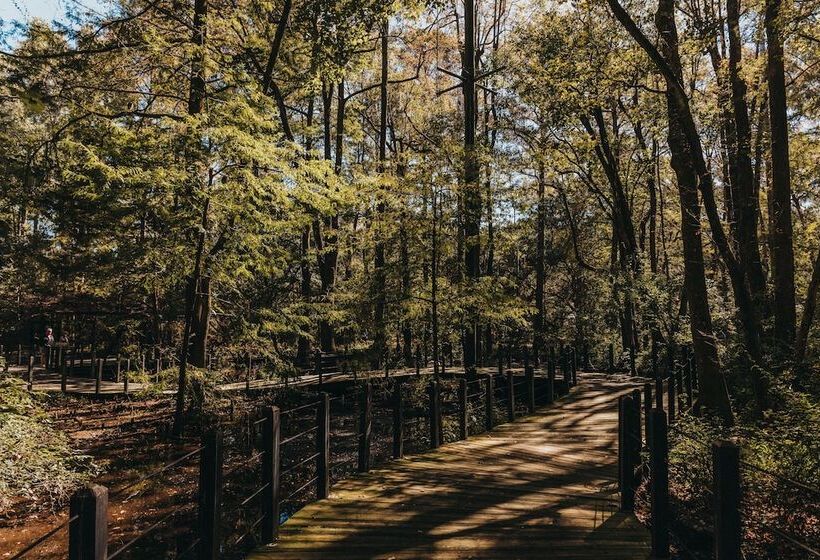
280	177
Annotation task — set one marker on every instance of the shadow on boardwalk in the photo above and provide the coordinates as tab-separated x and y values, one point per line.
544	486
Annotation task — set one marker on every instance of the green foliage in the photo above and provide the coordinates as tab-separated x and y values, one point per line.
39	468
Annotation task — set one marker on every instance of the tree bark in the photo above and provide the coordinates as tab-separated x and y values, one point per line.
809	308
780	231
472	192
714	393
379	274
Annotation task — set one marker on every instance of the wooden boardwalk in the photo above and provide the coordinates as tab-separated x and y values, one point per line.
542	487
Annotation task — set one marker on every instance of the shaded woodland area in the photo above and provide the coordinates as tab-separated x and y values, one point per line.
214	183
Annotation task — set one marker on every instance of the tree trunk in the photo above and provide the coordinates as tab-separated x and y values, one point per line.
780	231
540	269
745	195
472	192
379	274
196	100
809	308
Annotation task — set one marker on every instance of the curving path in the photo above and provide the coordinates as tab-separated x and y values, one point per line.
542	487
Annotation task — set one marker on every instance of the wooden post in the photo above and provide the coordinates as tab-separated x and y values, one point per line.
630	448
318	366
679	387
611	356
488	403
671	397
726	470
510	396
30	373
647	408
550	382
210	495
462	409
659	484
398	420
88	535
365	426
119	368
418	360
323	447
435	414
688	384
529	376
573	366
270	473
248	376
19	354
98	376
659	392
125	378
63	376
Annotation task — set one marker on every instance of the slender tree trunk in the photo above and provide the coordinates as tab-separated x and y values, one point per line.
196	100
746	200
379	276
780	231
809	309
472	191
540	269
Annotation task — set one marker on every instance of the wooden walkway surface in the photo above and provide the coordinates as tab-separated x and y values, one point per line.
542	487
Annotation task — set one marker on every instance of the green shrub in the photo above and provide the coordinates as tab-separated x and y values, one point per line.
37	465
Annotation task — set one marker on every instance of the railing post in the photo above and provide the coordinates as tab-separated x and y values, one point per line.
63	375
365	426
510	396
30	373
323	447
550	382
98	377
270	473
398	420
210	495
630	448
318	365
119	368
688	384
659	484
679	386
671	396
462	409
647	408
435	414
488	403
529	376
125	376
418	360
611	358
726	470
88	535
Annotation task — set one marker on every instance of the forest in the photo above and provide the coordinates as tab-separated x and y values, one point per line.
231	188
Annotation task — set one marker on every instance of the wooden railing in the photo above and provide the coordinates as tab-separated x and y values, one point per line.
647	458
289	455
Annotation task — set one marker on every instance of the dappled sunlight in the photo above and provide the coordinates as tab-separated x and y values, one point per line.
544	484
